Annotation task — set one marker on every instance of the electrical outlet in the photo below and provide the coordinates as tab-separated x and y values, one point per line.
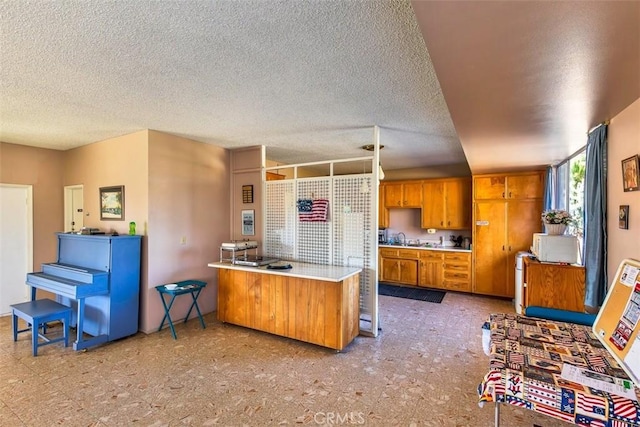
183	240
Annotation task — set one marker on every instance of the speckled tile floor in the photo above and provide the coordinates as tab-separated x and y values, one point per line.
422	370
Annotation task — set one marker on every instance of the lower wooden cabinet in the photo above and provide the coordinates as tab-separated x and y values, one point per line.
449	270
456	271
399	266
553	285
311	310
430	269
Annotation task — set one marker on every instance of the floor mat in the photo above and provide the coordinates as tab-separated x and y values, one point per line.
411	293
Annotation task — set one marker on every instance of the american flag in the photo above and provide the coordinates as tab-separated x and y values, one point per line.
625	408
596	362
555	413
583	420
590	404
319	211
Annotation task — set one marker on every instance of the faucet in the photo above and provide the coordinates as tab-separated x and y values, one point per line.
404	238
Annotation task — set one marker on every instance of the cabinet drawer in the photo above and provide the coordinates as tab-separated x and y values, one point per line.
457	285
456	275
453	266
388	252
408	253
457	256
432	255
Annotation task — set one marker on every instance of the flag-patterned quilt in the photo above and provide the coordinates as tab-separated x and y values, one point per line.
527	355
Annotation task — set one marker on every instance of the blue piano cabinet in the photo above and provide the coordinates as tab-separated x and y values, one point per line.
114	314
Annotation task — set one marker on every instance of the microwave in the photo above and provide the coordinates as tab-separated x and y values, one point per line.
551	248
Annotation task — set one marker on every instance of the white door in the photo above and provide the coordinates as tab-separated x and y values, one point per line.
16	244
73	208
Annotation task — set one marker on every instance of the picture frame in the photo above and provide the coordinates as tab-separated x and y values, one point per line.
623	217
630	174
112	203
247	194
248	222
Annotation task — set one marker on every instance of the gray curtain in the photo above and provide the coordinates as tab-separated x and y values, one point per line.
595	221
548	190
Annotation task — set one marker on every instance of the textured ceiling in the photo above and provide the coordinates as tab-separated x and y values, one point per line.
523	81
308	79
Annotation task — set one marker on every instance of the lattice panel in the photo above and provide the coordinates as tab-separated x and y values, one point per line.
347	236
280	219
353	230
314	237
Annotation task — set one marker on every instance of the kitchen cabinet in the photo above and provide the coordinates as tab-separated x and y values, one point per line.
446	204
403	194
399	266
456	271
427	268
553	285
430	269
503	226
524	185
383	212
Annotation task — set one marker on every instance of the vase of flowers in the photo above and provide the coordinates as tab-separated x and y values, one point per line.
556	221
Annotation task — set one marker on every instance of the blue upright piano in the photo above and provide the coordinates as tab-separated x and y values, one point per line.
99	277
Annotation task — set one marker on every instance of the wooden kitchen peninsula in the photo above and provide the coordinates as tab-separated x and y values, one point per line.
319	304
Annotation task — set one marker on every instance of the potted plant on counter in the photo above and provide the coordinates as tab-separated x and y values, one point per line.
556	221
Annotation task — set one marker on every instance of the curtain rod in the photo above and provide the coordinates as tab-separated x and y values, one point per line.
606	122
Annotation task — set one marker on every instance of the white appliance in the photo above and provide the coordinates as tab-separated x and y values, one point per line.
518	301
551	248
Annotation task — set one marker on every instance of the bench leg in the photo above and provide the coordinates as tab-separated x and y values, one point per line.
35	329
14	325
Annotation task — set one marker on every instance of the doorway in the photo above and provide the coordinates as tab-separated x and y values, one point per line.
16	244
73	208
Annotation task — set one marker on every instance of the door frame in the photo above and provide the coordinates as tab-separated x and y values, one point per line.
68	198
29	231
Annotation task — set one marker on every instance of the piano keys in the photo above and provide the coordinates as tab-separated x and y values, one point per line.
99	277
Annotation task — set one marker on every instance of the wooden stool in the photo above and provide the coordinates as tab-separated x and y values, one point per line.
37	313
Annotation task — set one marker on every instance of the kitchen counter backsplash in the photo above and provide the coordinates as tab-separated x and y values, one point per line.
427	248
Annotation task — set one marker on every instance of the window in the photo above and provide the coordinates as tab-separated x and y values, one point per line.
569	194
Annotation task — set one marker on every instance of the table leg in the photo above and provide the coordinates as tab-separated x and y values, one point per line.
167	316
497	415
195	295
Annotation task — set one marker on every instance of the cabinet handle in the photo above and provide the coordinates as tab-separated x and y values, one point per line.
509	194
503	247
509	248
441	222
503	194
448	222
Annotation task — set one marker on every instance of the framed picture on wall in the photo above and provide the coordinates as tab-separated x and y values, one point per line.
630	174
112	203
248	222
623	217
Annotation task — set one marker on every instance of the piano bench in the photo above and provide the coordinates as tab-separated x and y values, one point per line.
37	313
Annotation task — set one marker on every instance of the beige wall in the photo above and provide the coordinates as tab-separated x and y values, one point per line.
42	169
188	202
246	169
623	142
116	161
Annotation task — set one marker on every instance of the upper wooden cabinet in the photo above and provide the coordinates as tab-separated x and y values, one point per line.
407	194
383	212
446	203
525	185
507	211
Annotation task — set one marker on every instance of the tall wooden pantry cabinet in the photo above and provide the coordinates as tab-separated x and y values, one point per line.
507	210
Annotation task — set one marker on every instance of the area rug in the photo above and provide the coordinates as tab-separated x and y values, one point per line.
411	293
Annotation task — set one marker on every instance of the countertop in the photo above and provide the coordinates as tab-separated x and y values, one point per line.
328	273
430	248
